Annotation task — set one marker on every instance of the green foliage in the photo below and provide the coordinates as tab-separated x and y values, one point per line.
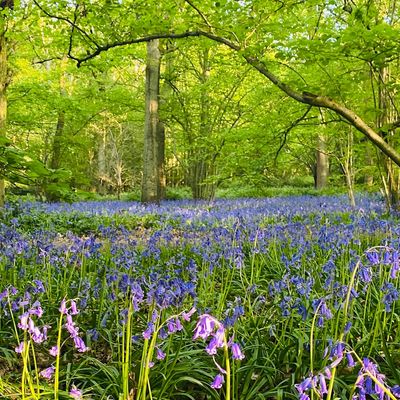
242	191
178	193
221	116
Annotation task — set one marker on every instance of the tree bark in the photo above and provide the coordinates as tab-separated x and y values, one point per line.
58	138
101	162
369	162
55	161
153	153
322	164
4	81
386	117
160	149
201	165
348	167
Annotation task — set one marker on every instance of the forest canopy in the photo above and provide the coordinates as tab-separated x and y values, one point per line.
106	97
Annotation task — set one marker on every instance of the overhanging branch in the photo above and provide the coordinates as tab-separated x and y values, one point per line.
310	99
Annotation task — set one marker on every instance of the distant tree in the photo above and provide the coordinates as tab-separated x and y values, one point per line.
5	8
153	183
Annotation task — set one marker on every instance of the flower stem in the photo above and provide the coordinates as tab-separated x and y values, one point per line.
228	372
57	372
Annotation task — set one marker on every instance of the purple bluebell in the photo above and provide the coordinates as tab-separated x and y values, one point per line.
160	354
149	331
54	351
237	353
218	382
48	372
205	326
350	361
20	348
187	315
80	344
75	393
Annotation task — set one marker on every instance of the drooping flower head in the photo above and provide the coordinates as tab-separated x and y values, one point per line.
47	373
75	393
218	382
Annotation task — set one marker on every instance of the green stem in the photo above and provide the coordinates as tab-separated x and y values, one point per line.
127	352
147	366
228	372
345	313
57	372
36	369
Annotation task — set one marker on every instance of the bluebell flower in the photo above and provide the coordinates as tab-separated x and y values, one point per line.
391	294
149	331
218	382
237	353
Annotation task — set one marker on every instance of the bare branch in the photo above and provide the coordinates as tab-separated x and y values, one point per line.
202	16
68	21
288	129
47	60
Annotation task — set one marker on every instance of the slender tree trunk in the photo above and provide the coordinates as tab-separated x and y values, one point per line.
152	182
55	161
348	167
165	93
201	167
369	162
386	117
101	162
57	147
160	149
322	163
4	81
58	138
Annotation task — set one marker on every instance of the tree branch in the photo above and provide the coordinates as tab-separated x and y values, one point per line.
145	39
326	102
311	99
68	21
44	61
288	129
202	16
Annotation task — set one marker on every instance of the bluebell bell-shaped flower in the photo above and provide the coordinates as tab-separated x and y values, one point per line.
149	331
48	372
218	382
391	294
237	353
366	385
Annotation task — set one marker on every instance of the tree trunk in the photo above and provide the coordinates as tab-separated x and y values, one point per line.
160	148
369	163
322	164
101	162
200	165
58	138
385	118
153	165
55	161
4	81
348	167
